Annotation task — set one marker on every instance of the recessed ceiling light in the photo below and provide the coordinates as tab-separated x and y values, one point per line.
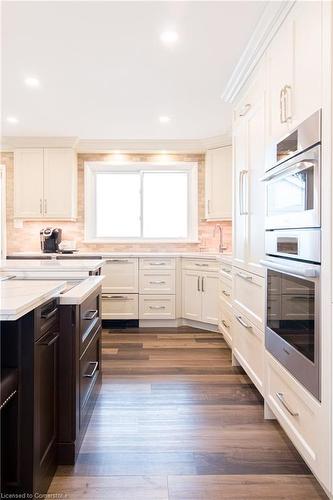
164	119
169	37
12	119
32	81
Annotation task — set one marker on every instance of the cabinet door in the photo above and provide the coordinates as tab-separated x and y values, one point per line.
219	183
256	189
60	181
28	183
307	28
209	289
45	410
279	67
240	170
121	276
191	295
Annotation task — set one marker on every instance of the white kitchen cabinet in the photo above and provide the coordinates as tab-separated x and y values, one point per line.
157	282
307	64
249	167
28	183
45	184
120	306
157	307
218	185
300	415
294	65
279	72
248	293
200	296
60	183
209	289
248	347
121	275
191	295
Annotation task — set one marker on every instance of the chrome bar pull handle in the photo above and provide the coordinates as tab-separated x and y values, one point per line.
280	397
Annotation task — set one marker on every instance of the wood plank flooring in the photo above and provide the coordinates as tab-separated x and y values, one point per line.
175	421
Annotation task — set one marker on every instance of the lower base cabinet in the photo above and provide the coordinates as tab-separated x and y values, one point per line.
200	296
157	307
300	415
80	373
248	347
225	322
120	306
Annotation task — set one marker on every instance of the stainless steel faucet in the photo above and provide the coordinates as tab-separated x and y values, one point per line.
221	246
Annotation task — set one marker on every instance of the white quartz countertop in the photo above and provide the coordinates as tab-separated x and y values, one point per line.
52	266
80	292
17	298
78	256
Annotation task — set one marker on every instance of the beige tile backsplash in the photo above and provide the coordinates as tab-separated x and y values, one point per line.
27	237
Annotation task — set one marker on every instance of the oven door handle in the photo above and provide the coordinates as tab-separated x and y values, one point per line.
306	271
295	167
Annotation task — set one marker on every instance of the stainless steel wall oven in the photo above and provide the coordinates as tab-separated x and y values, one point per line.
293	254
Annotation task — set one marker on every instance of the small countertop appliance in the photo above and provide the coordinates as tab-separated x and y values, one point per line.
50	239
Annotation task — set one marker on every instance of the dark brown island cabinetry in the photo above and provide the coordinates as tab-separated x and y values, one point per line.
50	367
79	372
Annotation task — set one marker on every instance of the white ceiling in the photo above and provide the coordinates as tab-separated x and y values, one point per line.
106	75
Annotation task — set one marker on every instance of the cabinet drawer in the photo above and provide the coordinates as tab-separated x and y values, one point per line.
225	271
248	347
89	371
157	307
200	264
225	291
121	275
156	263
296	410
119	306
157	282
225	322
90	318
48	315
249	295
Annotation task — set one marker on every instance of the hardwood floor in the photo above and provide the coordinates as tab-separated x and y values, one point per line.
175	421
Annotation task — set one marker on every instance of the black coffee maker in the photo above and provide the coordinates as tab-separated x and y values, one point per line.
50	239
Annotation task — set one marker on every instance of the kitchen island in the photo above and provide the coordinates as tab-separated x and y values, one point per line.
50	357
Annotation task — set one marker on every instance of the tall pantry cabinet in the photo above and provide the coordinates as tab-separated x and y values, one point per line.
249	167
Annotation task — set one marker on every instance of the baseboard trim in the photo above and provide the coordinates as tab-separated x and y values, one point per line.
174	323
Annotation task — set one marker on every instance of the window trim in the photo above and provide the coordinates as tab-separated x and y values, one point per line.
92	167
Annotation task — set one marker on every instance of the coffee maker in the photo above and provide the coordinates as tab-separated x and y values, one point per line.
50	239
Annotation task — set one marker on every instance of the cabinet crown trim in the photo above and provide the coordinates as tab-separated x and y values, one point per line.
270	21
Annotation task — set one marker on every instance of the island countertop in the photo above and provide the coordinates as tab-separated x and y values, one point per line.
51	266
18	297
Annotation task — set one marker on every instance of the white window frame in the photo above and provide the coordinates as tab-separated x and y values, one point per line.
92	167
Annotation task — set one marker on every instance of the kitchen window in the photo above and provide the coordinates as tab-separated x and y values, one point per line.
141	202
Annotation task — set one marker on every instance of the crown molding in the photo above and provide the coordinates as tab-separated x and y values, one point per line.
198	146
10	143
270	21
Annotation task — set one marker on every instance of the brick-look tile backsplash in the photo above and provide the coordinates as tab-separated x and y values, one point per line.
27	237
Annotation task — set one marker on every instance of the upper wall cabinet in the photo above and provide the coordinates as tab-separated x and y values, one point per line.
218	186
294	61
45	184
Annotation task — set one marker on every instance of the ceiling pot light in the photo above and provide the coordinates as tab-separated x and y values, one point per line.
12	119
32	82
164	119
169	37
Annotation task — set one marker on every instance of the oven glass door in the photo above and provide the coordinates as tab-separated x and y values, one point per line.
291	311
291	193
